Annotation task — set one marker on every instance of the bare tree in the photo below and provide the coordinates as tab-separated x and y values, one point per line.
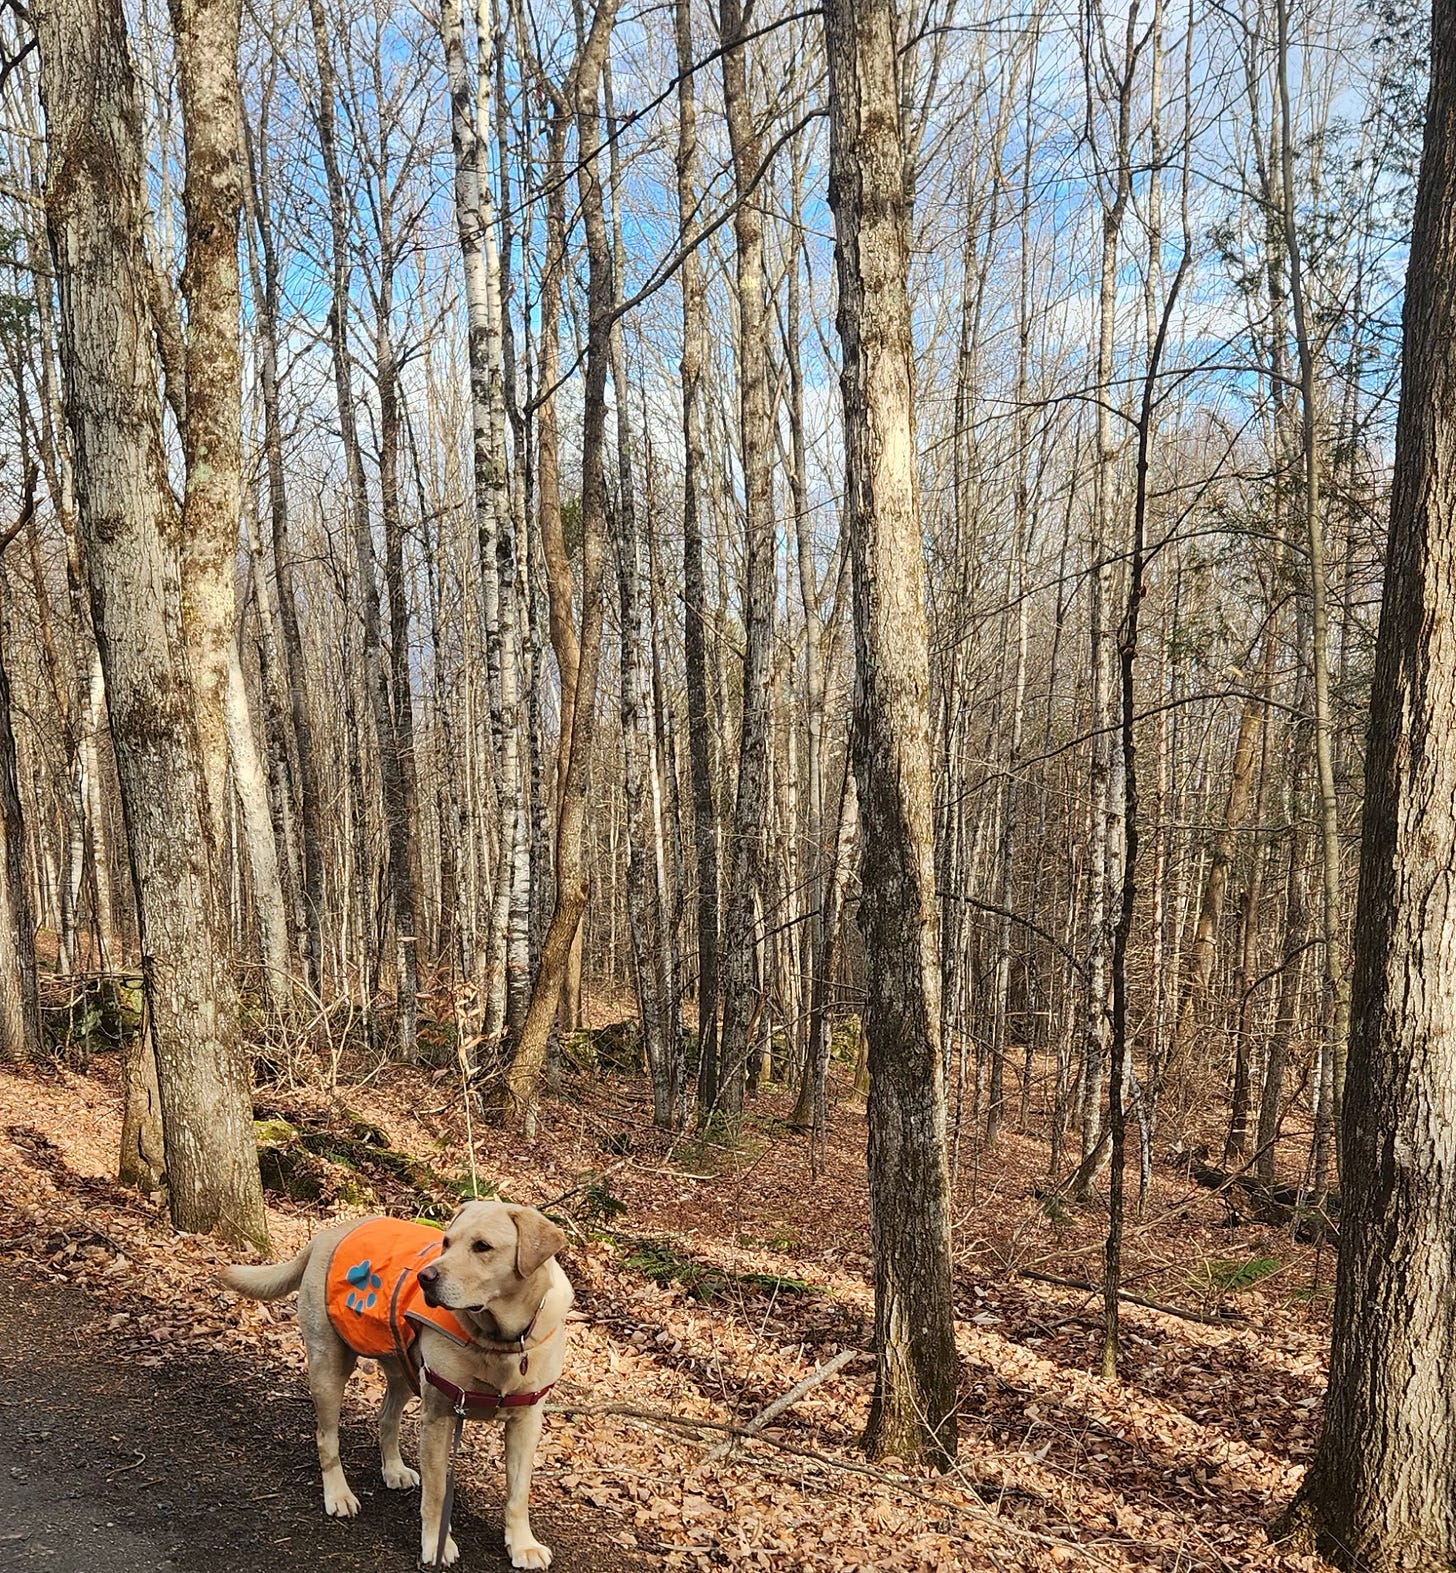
755	446
386	735
95	214
913	1413
695	599
19	1009
572	869
1381	1493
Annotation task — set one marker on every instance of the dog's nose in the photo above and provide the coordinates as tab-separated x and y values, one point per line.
429	1274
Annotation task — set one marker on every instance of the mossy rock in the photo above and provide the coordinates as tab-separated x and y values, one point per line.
275	1132
92	1017
844	1041
343	1157
615	1049
289	1169
301	1177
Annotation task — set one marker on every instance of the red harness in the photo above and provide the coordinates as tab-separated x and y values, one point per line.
471	1403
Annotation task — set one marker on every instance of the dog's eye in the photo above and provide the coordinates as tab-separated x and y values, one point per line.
482	1245
445	1243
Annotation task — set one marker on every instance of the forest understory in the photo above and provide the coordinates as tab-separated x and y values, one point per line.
711	1281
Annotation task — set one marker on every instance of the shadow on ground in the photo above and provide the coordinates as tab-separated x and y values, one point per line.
200	1466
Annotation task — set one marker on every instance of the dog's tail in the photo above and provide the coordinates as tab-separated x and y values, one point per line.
267	1283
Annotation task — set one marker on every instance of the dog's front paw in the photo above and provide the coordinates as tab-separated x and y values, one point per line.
427	1552
530	1554
340	1502
400	1477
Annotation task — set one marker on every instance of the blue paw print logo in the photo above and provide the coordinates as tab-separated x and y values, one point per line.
365	1282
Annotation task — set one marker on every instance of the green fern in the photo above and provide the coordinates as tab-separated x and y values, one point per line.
1227	1277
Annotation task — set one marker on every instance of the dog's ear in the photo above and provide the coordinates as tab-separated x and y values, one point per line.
537	1240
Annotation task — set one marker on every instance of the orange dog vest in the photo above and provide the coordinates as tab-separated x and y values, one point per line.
374	1296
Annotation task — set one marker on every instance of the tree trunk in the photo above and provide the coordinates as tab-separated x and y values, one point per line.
1104	875
1120	1070
94	209
1291	983
811	1107
912	1414
396	798
19	1009
572	869
266	290
646	885
755	431
565	643
469	130
1337	985
1192	1012
207	83
409	884
695	598
251	785
1381	1493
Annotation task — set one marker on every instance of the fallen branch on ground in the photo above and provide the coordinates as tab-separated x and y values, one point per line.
789	1399
1209	1319
1280	1205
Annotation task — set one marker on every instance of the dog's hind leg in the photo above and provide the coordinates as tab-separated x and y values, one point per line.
398	1476
329	1367
523	1432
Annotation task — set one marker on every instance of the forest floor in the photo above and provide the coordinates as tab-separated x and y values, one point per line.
149	1408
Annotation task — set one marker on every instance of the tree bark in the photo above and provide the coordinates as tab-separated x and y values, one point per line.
207	83
94	209
913	1412
572	870
19	1008
755	433
1381	1494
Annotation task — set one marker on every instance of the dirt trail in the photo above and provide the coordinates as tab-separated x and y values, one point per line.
203	1465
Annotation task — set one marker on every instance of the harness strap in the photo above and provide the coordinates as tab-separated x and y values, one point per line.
466	1401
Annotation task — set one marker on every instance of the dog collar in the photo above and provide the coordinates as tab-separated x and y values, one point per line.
518	1344
468	1401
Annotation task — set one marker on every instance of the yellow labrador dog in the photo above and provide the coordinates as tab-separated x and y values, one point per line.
473	1321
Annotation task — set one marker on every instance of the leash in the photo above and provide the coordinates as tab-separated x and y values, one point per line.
464	1401
449	1502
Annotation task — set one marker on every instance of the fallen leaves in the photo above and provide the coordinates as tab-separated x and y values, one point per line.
1176	1468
